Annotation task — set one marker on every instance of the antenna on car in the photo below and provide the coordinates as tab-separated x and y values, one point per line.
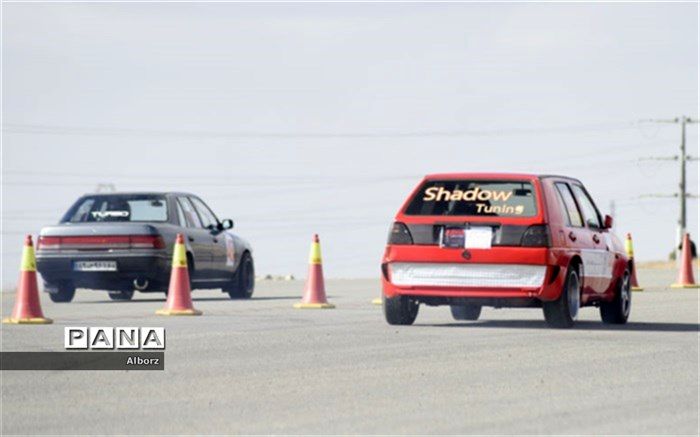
103	187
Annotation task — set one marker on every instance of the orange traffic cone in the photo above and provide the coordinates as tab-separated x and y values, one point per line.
634	284
27	306
685	274
314	291
179	301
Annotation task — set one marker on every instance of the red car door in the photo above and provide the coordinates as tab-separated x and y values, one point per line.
598	260
575	236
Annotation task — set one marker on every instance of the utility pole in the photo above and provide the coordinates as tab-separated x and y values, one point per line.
682	191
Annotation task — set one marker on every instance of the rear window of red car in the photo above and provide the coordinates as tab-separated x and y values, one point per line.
474	198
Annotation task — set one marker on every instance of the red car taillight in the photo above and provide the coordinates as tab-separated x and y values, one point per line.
535	236
399	234
146	242
48	243
101	242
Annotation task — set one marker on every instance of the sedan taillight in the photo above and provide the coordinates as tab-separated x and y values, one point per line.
48	243
146	242
101	242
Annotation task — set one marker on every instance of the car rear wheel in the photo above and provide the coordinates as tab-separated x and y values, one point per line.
121	295
617	311
562	312
465	312
243	283
61	292
400	310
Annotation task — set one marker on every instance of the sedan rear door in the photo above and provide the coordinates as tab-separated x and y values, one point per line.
198	238
219	261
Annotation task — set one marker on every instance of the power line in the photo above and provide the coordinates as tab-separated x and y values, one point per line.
248	187
205	176
17	128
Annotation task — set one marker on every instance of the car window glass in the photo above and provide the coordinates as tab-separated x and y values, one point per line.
208	218
180	215
563	213
572	213
590	213
474	198
82	213
190	214
147	210
120	208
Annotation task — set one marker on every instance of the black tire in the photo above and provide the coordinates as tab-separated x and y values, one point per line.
562	312
61	292
121	295
243	283
617	311
400	310
465	312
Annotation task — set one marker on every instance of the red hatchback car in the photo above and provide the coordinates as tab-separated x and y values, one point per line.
504	240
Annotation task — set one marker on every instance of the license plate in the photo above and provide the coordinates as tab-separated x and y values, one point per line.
478	237
95	266
475	237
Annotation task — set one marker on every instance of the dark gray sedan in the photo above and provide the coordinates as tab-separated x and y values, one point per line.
121	242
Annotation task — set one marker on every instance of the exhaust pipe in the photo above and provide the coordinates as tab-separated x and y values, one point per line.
140	284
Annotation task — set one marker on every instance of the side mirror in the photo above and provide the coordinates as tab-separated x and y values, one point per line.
608	222
226	224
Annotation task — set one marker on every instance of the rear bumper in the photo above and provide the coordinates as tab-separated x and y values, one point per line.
502	274
153	266
412	274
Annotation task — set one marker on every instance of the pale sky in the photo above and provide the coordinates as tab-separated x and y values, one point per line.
302	118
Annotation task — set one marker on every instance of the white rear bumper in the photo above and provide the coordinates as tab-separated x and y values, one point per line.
467	275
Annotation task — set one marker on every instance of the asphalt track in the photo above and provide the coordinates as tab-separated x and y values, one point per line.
260	366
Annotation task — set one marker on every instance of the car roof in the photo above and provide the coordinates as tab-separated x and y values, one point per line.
502	176
149	193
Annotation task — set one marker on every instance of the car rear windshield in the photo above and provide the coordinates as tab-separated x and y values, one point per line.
474	198
119	208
